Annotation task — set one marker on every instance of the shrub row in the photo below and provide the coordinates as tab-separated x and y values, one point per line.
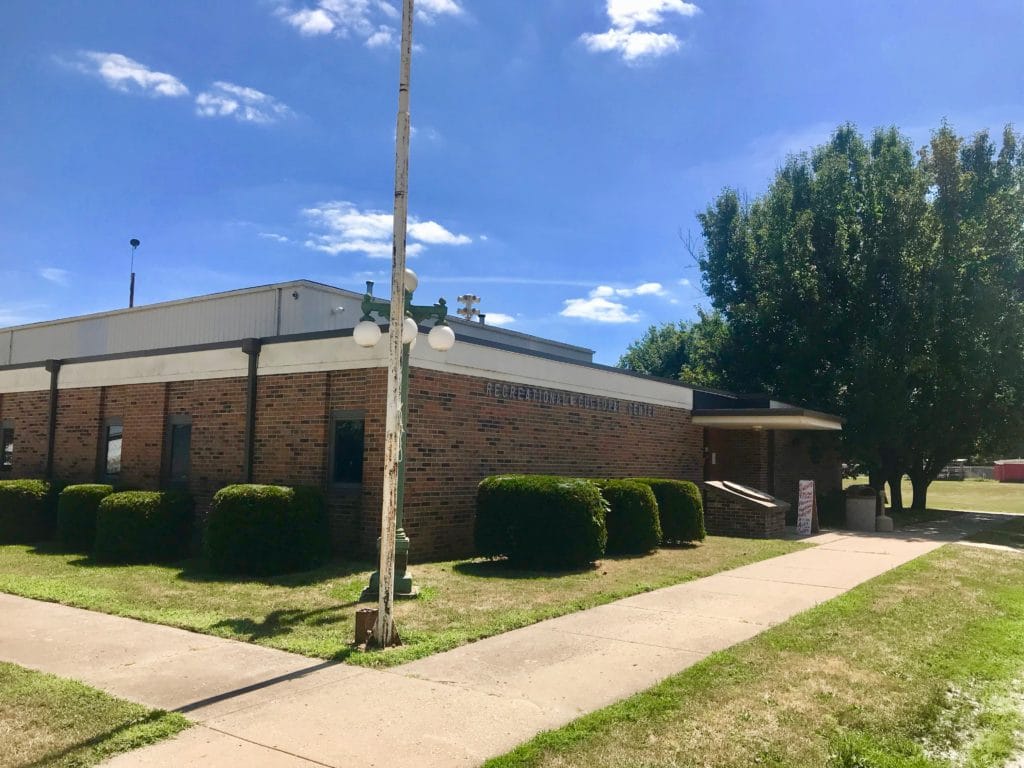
144	527
77	506
27	510
559	522
680	508
251	529
540	521
633	521
265	529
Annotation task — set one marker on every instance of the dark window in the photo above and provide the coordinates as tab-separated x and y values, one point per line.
179	449
6	447
347	449
112	450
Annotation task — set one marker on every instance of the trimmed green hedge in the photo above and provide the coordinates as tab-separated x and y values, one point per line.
540	521
680	507
76	515
267	529
26	511
633	521
144	526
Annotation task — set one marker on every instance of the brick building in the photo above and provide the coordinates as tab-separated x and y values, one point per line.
267	385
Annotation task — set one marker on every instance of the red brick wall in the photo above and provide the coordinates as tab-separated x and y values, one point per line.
29	412
76	443
728	515
217	408
806	456
742	457
459	434
293	422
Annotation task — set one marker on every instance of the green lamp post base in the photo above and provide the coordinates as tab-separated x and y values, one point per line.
404	588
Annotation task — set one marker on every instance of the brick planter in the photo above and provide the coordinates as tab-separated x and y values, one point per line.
730	511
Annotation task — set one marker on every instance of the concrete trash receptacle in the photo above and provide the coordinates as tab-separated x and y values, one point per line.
861	501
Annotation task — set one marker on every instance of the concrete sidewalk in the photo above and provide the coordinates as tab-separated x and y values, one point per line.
261	707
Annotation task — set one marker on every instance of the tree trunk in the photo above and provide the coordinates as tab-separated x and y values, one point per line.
896	492
920	483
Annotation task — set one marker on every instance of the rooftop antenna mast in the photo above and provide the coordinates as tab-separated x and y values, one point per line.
134	243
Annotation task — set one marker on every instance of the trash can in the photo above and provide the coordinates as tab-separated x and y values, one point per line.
861	501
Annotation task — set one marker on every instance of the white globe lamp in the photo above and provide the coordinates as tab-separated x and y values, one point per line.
409	330
441	338
411	281
366	333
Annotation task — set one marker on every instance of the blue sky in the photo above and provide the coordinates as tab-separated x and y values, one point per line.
560	147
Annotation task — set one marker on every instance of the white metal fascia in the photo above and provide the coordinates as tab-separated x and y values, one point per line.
782	421
488	363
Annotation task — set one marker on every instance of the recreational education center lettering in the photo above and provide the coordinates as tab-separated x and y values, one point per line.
506	391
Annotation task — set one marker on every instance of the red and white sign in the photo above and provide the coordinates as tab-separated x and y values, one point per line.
807	510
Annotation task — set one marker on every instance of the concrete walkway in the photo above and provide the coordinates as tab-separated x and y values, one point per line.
261	707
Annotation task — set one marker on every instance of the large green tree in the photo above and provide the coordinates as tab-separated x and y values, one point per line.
885	285
687	351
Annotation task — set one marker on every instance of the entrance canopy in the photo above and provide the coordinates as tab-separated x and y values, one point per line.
721	410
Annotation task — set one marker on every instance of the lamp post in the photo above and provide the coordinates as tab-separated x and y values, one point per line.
367	333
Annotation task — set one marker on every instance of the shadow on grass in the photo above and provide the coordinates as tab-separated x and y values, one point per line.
1010	535
502	569
52	758
55	548
198	570
281	621
284	621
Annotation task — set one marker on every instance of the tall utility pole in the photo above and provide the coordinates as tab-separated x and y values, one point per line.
384	633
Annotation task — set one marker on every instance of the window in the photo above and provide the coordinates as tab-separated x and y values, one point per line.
179	449
347	448
6	446
112	449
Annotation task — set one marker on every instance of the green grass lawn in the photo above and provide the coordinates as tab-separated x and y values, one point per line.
313	613
920	668
976	495
49	721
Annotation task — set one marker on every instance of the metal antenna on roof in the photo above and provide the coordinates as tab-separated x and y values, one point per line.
134	243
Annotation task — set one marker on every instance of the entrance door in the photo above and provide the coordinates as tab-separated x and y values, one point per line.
716	455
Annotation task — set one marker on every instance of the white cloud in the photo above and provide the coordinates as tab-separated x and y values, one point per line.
684	281
644	289
247	105
630	34
429	10
375	22
632	45
432	233
384	36
54	275
274	236
127	75
630	14
311	22
499	318
347	229
598	309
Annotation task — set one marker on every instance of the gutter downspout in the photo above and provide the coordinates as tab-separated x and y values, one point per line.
251	347
53	367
